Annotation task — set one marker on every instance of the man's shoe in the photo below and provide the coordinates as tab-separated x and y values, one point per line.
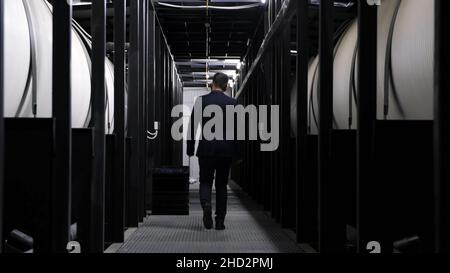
220	224
207	217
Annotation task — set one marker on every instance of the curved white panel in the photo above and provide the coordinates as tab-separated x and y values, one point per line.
81	82
343	62
109	81
311	84
17	53
109	76
412	52
313	99
40	19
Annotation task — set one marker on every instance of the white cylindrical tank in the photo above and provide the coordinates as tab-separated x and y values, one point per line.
28	59
410	96
17	51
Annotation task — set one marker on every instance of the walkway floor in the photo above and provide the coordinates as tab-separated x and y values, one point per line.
248	230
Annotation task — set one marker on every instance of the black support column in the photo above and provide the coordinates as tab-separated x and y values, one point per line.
119	117
61	186
158	93
151	76
329	202
285	179
133	116
98	26
302	114
142	104
2	127
442	130
367	223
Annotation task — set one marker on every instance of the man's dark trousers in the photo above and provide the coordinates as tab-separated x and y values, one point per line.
220	166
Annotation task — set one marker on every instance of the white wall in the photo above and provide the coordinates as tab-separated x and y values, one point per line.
189	96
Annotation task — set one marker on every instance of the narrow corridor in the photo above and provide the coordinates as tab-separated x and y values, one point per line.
249	230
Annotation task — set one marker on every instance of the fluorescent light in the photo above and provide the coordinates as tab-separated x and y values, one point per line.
263	1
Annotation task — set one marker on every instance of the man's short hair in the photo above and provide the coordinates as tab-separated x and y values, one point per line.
221	80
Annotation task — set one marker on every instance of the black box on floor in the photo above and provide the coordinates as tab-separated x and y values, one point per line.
170	191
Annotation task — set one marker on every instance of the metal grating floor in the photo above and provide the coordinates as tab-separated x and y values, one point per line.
248	230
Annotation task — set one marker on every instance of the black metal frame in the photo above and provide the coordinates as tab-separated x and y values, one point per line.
155	87
441	131
151	102
265	78
285	128
158	94
367	223
283	16
98	95
168	88
302	62
120	16
142	104
133	116
267	65
62	26
327	208
29	176
2	127
145	39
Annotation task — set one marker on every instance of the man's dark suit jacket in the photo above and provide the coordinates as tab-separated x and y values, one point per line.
213	148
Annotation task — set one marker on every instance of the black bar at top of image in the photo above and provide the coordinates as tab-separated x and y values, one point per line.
98	26
119	116
61	187
2	127
302	106
367	99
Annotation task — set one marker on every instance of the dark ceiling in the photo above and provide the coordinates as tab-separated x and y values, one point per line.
202	33
206	36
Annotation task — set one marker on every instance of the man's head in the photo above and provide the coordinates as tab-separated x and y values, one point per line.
220	82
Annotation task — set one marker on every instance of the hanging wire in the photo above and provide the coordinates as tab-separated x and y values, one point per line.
388	71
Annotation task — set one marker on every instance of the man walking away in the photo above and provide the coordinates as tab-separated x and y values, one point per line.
215	156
